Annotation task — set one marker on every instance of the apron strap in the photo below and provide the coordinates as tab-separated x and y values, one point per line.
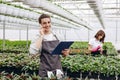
55	36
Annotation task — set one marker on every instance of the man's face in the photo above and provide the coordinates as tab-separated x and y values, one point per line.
46	24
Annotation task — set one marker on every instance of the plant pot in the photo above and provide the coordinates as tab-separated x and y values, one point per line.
85	74
93	75
109	77
104	52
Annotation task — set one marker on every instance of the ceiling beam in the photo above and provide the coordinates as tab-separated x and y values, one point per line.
96	6
55	9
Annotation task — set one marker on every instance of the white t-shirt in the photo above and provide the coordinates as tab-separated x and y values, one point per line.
95	43
48	37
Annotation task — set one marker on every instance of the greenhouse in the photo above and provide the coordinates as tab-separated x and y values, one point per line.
76	40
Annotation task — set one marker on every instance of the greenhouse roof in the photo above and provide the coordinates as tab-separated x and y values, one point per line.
90	14
93	11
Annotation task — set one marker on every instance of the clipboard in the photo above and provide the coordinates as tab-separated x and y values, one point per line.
61	46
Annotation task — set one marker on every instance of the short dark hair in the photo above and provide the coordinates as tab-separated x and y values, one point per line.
43	16
100	32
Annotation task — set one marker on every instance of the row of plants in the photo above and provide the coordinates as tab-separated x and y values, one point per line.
79	45
26	76
22	76
82	48
76	48
20	67
14	46
22	61
78	64
109	65
101	64
110	49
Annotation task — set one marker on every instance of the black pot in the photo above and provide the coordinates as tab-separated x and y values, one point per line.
105	77
104	52
93	75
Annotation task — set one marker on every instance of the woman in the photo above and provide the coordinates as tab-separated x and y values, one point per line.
95	44
44	43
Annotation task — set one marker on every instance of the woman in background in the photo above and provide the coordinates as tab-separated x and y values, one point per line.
95	44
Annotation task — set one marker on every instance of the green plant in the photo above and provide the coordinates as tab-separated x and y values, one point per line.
105	47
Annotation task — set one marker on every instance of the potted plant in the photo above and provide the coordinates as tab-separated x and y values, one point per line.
104	49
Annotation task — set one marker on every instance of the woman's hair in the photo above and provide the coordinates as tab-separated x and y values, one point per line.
43	16
100	33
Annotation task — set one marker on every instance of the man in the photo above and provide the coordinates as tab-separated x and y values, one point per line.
44	43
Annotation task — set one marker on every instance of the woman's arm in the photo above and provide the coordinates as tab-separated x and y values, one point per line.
89	47
93	49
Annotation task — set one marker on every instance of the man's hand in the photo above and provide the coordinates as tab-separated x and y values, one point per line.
32	56
65	52
42	32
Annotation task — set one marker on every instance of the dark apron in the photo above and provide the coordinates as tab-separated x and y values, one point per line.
49	62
